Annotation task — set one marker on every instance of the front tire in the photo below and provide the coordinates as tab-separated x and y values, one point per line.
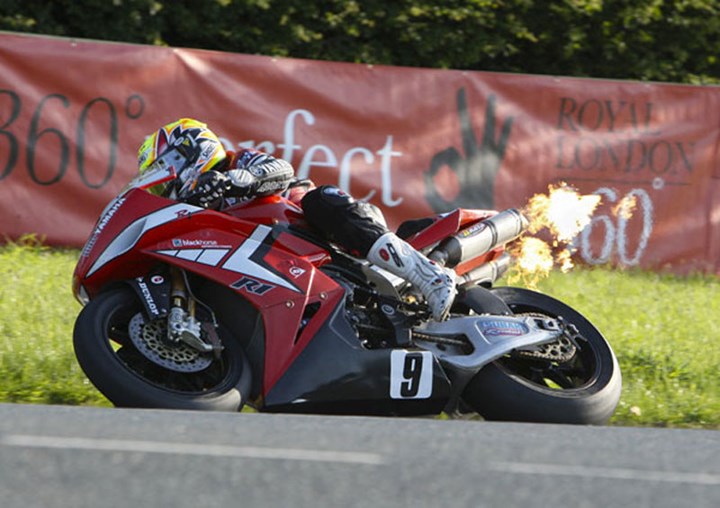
128	379
584	389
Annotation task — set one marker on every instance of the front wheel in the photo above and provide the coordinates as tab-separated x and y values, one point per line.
575	381
127	360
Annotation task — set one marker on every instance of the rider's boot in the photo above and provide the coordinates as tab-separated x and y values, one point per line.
436	283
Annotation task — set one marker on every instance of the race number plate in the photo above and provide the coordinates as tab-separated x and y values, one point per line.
411	374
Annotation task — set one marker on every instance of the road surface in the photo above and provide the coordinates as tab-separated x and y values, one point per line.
56	456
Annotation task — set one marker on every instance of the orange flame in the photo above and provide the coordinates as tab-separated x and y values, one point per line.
533	261
626	207
562	213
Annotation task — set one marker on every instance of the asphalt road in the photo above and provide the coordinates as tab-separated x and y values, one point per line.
54	456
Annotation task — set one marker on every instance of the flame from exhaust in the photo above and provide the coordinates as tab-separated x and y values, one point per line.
563	213
626	207
533	261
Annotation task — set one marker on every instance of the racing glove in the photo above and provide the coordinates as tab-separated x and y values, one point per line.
256	174
209	191
242	183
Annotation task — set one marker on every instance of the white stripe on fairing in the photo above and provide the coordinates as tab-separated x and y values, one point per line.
212	256
203	450
240	261
189	254
128	237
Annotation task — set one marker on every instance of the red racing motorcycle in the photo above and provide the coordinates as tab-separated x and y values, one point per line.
190	308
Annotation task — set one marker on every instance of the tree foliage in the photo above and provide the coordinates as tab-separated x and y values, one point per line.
652	40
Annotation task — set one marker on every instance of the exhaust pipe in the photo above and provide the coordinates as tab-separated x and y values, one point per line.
480	238
487	273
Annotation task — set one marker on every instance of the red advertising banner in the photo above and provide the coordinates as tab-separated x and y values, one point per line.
412	141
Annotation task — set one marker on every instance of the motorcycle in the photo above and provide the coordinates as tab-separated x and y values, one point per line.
190	308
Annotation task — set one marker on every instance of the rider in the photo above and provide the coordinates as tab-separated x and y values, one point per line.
212	177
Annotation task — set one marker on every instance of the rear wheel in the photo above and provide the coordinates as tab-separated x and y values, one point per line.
569	381
126	358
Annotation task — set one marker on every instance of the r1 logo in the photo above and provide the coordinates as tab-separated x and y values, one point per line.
252	286
411	374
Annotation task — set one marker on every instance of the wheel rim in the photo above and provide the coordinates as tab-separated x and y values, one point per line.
193	381
575	373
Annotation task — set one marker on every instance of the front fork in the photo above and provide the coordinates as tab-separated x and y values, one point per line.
182	324
172	299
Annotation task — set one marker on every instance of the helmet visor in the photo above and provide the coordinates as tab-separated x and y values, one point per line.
171	163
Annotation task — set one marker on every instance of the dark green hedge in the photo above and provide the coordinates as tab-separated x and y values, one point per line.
653	40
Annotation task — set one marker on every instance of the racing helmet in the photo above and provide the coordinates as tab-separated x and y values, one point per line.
187	145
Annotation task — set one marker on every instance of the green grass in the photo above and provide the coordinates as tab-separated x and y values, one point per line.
37	313
663	329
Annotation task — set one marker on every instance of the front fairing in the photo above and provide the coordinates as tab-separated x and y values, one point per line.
111	222
269	266
130	217
138	229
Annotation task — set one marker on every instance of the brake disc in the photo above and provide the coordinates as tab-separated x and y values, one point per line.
150	339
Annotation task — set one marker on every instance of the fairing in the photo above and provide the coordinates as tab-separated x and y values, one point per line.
334	374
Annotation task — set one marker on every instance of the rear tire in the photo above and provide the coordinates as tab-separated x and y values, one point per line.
128	379
583	390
